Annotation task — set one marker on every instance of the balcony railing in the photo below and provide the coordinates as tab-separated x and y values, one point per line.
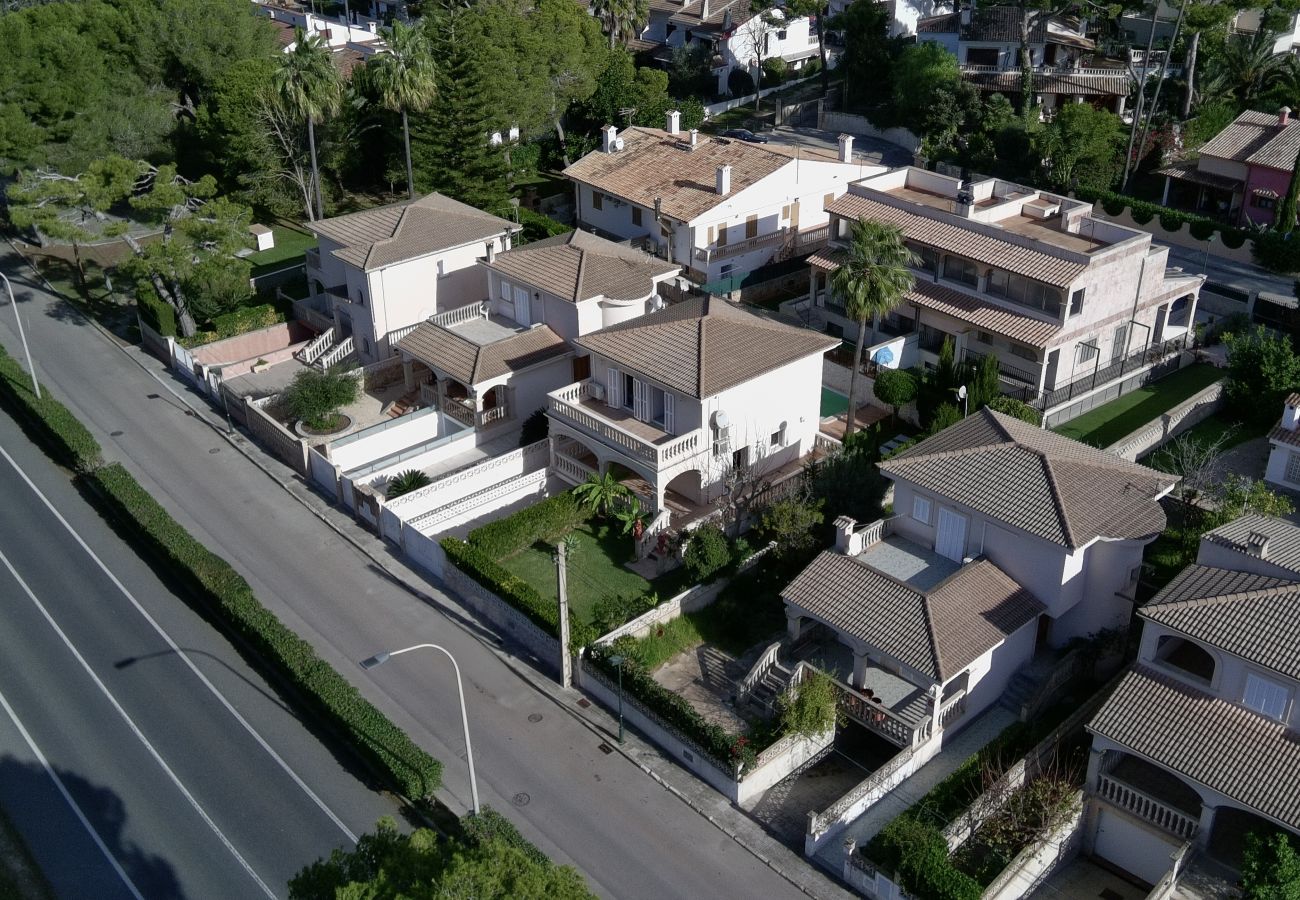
884	722
459	411
495	414
974	69
1008	371
1082	382
1146	807
567	404
461	314
706	254
313	258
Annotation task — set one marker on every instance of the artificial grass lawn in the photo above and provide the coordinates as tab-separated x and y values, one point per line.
1214	428
595	570
290	244
1112	421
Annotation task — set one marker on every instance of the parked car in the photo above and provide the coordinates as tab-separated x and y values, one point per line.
744	134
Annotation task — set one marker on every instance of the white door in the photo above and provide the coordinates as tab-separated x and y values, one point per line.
670	417
638	400
613	381
951	539
523	315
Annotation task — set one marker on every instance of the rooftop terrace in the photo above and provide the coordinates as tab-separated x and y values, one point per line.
909	562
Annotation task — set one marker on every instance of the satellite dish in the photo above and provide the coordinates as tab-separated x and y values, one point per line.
884	356
720	419
618	143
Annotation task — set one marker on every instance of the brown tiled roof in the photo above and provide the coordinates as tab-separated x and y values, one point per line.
979	312
471	363
580	266
1002	24
1284	436
1292	400
1283	539
689	14
346	59
1116	85
963	240
703	346
1036	480
284	32
938	633
1189	170
374	238
1252	759
1256	138
1253	616
654	163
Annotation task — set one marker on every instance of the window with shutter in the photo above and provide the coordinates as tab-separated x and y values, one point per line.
670	414
638	400
1265	696
523	314
613	382
751	227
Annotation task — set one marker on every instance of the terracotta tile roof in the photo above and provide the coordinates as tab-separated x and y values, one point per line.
471	363
374	238
1002	24
1284	436
1189	170
1116	85
963	240
346	59
654	163
1292	400
1252	759
284	32
1035	480
938	633
703	346
721	12
981	313
1282	547
1256	138
580	266
1253	616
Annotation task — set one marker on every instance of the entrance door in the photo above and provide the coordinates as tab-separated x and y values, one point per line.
794	217
951	540
1053	363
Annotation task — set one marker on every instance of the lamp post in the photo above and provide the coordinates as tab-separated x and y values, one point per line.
618	661
965	404
380	658
22	335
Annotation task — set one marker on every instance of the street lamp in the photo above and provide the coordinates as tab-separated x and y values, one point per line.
618	661
380	658
965	404
22	335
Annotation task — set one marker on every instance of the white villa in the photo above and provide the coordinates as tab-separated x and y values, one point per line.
1071	305
1197	745
1283	467
683	396
494	362
719	208
1007	541
378	273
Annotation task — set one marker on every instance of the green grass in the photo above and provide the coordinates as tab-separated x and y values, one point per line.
547	184
1110	422
595	570
1216	427
290	244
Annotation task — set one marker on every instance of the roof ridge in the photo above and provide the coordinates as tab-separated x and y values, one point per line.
1057	500
397	228
933	638
1225	599
581	273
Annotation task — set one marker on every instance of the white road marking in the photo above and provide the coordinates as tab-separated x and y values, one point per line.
58	783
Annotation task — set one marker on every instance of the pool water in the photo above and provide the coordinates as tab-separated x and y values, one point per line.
833	403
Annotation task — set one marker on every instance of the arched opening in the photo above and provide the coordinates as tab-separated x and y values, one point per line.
1188	657
496	397
1153	781
574	459
686	488
1232	827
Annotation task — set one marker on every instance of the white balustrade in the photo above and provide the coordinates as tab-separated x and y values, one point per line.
460	314
458	411
338	354
317	347
495	414
1146	807
567	403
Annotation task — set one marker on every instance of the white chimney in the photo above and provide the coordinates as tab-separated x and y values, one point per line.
608	135
844	533
1257	544
704	11
1291	414
1283	116
846	148
723	182
674	121
965	15
491	251
695	136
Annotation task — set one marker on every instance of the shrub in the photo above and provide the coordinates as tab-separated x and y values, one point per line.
479	565
895	387
246	319
707	553
612	611
1113	205
415	772
1202	229
54	426
405	482
316	396
1170	222
1142	214
775	71
920	856
548	519
154	311
792	522
946	414
1233	238
1018	408
1277	251
535	428
490	827
538	227
740	83
813	707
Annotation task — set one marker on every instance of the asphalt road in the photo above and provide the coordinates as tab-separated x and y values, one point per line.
139	756
631	837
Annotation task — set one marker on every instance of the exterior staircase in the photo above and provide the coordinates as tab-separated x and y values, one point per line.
326	350
1020	691
403	405
774	682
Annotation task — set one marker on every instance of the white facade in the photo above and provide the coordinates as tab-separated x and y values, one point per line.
336	32
1283	467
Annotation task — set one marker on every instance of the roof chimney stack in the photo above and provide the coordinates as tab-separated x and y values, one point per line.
723	183
1283	116
674	122
608	135
704	11
965	15
846	148
1257	545
1291	413
695	137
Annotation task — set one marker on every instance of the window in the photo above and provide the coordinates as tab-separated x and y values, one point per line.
505	290
1261	202
921	509
962	270
636	215
751	227
927	258
1024	352
629	391
597	200
1024	292
1293	468
740	459
1085	353
722	235
1076	302
842	227
1265	696
780	35
785	211
984	337
1118	343
778	437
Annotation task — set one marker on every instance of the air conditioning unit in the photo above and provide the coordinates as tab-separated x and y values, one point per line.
596	390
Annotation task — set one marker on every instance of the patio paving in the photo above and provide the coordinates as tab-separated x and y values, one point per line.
705	676
783	808
1083	879
909	562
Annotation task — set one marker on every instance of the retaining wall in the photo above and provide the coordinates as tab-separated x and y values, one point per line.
1157	432
1033	865
847	123
282	443
502	616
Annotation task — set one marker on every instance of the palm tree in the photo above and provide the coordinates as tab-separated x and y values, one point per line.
309	87
872	280
601	492
622	20
406	80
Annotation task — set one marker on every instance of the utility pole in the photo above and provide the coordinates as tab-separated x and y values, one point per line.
562	585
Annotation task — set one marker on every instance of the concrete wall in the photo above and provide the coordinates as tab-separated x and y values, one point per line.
846	123
1135	846
364	446
282	443
264	342
1166	427
503	617
1181	237
988	676
1090	400
462	483
1033	865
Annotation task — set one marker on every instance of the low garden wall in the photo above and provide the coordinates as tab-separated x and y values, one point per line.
282	443
1180	236
847	123
237	355
1194	409
1085	402
722	106
1039	860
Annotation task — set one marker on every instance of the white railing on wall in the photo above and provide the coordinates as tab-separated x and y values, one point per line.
572	469
567	404
495	414
398	333
318	346
1146	807
338	354
458	411
761	667
460	314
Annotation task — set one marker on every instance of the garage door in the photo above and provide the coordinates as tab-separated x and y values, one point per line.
1133	846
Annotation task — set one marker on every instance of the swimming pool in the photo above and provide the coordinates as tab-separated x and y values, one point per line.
833	403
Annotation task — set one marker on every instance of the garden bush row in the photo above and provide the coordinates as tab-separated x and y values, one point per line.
490	827
918	856
547	519
1142	211
366	728
154	311
58	429
482	566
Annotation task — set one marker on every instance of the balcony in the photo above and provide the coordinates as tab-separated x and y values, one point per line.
1146	807
1008	371
1081	71
313	259
578	407
726	251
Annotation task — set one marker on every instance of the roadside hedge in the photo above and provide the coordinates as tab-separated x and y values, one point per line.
154	311
547	519
484	569
245	319
57	428
388	747
490	827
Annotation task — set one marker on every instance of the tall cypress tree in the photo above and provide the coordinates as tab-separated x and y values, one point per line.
450	145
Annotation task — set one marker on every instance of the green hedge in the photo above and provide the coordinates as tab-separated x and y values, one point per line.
490	827
246	319
154	311
1201	227
58	429
483	568
415	772
550	518
918	854
538	227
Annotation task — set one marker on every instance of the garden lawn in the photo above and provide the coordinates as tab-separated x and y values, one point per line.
290	245
595	570
1112	421
1216	427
